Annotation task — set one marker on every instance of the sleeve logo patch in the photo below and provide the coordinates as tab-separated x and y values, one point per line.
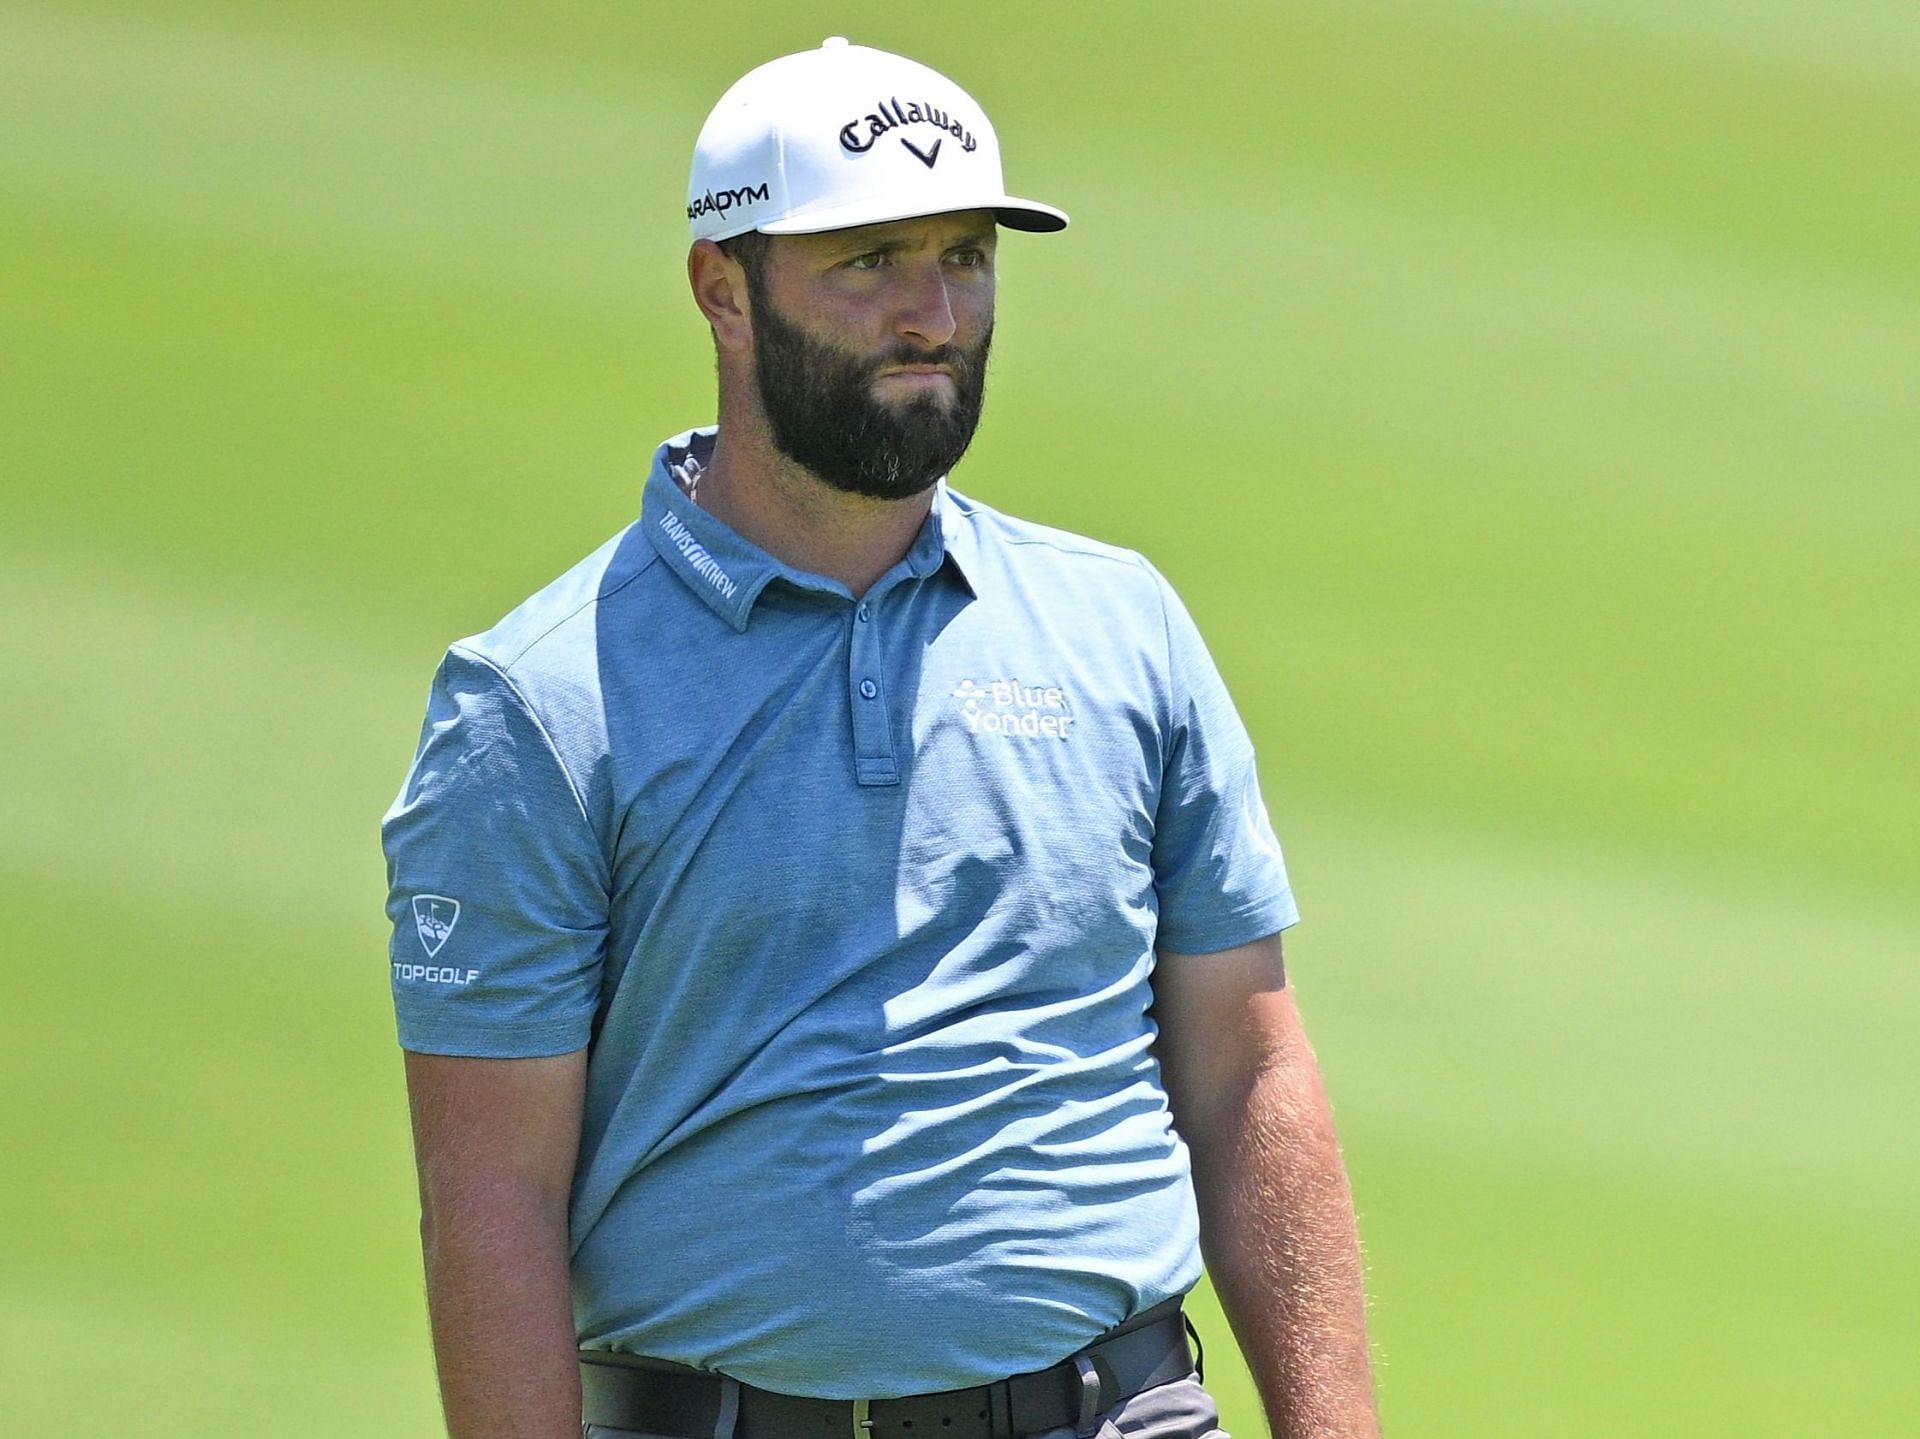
434	916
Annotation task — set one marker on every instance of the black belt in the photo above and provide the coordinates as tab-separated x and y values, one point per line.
656	1396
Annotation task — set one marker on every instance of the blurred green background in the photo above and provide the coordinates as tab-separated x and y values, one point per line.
1524	393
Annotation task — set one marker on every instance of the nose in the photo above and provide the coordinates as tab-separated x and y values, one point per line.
926	313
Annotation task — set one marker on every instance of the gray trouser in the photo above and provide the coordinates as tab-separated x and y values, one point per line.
1180	1410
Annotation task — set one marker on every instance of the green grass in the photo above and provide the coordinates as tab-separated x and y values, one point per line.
1521	393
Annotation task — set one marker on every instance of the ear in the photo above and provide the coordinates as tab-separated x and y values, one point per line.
720	290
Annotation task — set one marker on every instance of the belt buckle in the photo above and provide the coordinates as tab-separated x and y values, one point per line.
862	1419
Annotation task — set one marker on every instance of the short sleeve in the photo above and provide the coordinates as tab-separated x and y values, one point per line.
1218	873
497	884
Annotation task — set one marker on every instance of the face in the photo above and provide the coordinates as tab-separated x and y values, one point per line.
870	348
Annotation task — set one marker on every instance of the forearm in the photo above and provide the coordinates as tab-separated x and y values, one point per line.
503	1336
1278	1233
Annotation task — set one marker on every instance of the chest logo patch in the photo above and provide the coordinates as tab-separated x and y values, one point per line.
1013	709
434	916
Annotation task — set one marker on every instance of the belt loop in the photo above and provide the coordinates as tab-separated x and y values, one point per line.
1199	1349
729	1407
1089	1417
1000	1410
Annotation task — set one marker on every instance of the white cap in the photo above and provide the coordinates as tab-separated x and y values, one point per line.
844	136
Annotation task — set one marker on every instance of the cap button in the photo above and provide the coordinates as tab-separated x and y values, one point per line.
833	42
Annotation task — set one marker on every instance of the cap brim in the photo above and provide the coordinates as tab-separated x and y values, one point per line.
1031	215
1014	213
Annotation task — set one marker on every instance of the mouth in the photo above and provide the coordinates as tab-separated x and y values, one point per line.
918	379
917	372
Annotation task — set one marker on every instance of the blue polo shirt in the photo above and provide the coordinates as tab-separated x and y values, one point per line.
856	904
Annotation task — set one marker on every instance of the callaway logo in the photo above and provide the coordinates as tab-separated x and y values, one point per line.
719	202
858	136
1010	708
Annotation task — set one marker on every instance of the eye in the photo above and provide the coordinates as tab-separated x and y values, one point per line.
969	259
872	260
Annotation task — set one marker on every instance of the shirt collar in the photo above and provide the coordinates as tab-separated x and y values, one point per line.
728	572
958	544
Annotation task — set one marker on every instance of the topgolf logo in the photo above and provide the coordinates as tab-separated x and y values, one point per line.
434	916
1007	707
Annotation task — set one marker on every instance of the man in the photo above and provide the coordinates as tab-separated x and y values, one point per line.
822	915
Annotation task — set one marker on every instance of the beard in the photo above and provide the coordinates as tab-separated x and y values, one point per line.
823	414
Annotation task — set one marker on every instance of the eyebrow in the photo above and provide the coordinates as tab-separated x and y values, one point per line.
977	241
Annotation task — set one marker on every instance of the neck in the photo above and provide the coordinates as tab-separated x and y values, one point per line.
799	519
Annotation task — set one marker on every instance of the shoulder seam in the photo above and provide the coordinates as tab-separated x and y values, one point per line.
1093	549
1013	530
652	558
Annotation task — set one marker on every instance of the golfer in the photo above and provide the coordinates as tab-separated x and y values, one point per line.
836	925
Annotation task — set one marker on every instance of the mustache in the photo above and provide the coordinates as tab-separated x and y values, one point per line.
960	361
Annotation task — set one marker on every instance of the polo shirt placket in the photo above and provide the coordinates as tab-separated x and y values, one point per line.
873	757
730	574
